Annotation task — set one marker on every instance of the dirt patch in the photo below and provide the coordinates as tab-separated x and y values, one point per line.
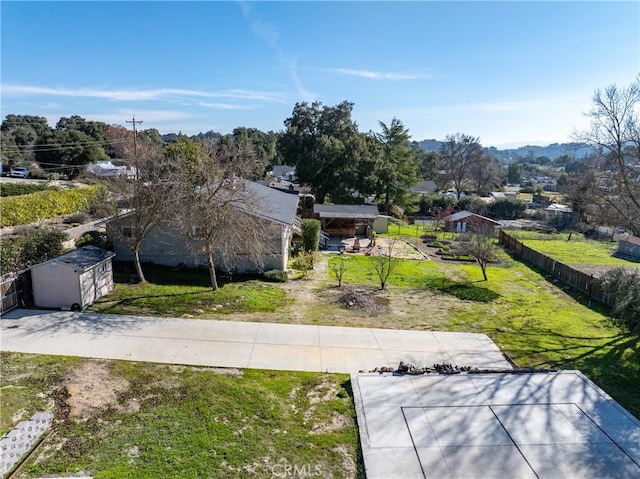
338	422
91	387
349	467
323	392
360	299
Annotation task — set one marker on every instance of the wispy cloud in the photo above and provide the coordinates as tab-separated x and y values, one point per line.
271	36
373	75
119	116
223	106
139	94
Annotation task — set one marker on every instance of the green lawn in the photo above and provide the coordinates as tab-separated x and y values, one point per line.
572	248
579	251
152	299
175	421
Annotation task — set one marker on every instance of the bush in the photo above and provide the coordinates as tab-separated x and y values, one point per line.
25	209
23	252
17	189
46	244
622	287
310	234
80	217
11	249
92	238
276	276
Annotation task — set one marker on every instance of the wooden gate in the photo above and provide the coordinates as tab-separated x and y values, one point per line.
8	292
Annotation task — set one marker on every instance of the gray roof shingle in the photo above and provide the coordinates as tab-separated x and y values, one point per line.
346	211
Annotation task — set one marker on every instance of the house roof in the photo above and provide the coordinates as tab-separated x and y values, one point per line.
272	204
346	211
283	170
426	186
83	258
461	215
629	238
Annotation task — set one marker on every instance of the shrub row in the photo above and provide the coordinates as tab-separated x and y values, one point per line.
17	189
25	209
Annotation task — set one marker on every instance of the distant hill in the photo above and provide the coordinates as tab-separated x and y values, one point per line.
553	151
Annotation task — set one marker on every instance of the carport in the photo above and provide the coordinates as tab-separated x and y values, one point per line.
346	220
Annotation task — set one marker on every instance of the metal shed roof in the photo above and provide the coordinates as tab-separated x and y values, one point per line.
346	211
83	258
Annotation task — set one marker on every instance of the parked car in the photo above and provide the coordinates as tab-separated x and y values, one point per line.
20	172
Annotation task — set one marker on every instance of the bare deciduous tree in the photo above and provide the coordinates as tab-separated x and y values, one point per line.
338	269
485	174
218	212
480	244
615	134
458	153
386	260
139	203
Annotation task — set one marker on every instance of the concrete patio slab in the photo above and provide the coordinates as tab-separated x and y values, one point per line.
493	426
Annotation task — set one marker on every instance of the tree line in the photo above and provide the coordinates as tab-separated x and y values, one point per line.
342	164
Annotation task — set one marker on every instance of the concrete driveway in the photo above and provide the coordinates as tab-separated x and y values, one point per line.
239	344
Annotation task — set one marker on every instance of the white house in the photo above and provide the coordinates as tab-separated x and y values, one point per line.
106	169
276	209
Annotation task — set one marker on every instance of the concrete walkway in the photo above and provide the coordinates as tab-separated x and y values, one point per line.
239	344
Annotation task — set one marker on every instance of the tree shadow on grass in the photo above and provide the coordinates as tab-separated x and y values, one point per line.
464	290
125	273
612	362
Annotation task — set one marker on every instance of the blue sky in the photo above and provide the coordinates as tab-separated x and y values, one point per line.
511	73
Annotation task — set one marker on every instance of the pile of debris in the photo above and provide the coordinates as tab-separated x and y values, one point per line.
360	300
446	368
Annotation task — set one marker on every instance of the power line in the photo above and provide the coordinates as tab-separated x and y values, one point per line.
64	146
135	143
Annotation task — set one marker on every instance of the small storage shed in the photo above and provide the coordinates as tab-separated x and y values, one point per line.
465	221
73	280
629	247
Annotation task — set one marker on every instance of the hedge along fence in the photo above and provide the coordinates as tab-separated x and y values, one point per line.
25	209
581	281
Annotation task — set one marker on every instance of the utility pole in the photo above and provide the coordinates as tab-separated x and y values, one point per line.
135	142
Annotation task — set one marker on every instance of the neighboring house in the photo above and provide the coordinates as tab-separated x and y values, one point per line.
466	221
284	173
106	169
73	280
346	220
556	208
166	245
424	187
629	247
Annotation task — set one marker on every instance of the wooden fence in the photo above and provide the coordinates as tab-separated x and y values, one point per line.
581	281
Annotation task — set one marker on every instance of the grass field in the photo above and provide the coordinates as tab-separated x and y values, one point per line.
150	299
572	250
150	421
